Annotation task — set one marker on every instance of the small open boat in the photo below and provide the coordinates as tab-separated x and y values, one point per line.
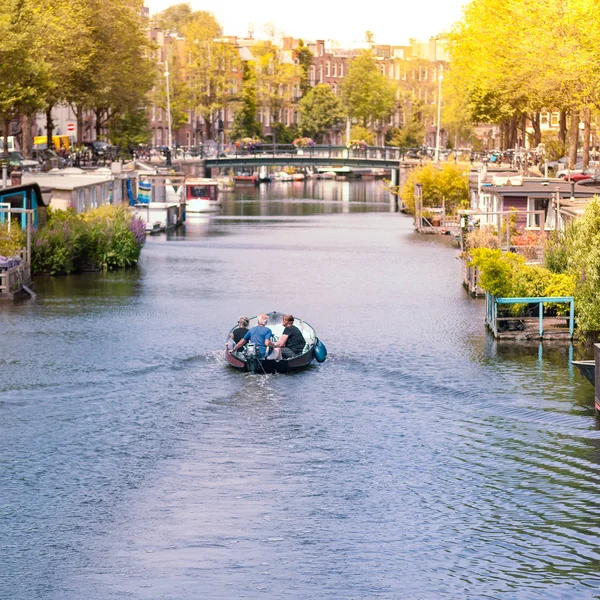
248	357
588	369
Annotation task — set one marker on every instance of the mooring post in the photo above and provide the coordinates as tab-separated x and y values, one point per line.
597	378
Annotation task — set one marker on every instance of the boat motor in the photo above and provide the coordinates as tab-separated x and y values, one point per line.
252	358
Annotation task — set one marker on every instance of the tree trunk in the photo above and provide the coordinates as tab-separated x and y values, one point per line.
78	109
586	137
523	133
562	127
26	137
49	128
537	129
98	123
573	138
5	127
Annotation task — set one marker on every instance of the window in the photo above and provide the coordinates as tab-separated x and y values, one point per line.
328	69
342	70
321	74
335	69
311	75
544	118
534	221
554	119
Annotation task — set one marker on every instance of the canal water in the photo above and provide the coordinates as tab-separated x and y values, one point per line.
422	460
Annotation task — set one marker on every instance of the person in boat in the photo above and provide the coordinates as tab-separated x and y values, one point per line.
259	335
239	332
291	343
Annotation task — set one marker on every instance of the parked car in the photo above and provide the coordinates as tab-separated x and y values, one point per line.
590	181
16	161
98	147
578	168
49	158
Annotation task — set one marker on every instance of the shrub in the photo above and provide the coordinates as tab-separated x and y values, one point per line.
13	241
482	237
109	237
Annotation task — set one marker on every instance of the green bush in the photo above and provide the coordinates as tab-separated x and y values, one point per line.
108	238
13	241
505	275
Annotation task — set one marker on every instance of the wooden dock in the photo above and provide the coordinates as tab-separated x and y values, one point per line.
540	327
16	282
15	277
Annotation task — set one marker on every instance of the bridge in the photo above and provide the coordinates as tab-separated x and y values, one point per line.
318	156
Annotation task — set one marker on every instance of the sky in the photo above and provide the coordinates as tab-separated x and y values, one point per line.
391	22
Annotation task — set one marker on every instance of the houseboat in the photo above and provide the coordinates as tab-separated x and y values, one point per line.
160	203
201	195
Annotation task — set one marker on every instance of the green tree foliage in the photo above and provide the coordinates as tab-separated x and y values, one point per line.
305	58
409	136
449	185
528	56
123	71
130	129
583	250
368	96
320	110
505	275
244	121
174	18
210	64
276	76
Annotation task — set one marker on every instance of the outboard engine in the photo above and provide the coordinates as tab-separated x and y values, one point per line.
252	358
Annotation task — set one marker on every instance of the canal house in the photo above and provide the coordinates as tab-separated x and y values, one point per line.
533	200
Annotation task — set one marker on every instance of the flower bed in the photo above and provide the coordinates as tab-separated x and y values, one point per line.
303	142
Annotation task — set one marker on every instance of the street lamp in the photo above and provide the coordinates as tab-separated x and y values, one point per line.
169	139
439	115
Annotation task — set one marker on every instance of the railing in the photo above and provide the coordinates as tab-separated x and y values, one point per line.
493	320
315	151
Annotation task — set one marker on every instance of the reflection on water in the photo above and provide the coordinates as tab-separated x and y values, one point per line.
421	460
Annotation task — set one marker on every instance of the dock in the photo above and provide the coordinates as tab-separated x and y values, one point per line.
539	327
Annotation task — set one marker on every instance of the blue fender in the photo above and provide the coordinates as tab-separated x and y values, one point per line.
320	351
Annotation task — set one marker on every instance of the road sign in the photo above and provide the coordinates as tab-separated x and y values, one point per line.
71	127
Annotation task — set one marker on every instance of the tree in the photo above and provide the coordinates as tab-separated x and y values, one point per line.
527	57
244	121
276	76
210	64
305	58
124	73
448	185
174	18
367	95
583	261
20	76
320	111
130	129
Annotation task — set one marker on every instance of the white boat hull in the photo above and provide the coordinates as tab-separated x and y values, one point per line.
202	205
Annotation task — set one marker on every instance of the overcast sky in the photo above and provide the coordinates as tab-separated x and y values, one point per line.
392	22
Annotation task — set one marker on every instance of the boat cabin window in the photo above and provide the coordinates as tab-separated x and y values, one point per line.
202	191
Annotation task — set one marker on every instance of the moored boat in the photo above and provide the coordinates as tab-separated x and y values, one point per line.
246	179
248	358
588	369
201	195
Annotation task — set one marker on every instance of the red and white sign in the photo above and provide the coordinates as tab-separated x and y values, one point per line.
71	127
